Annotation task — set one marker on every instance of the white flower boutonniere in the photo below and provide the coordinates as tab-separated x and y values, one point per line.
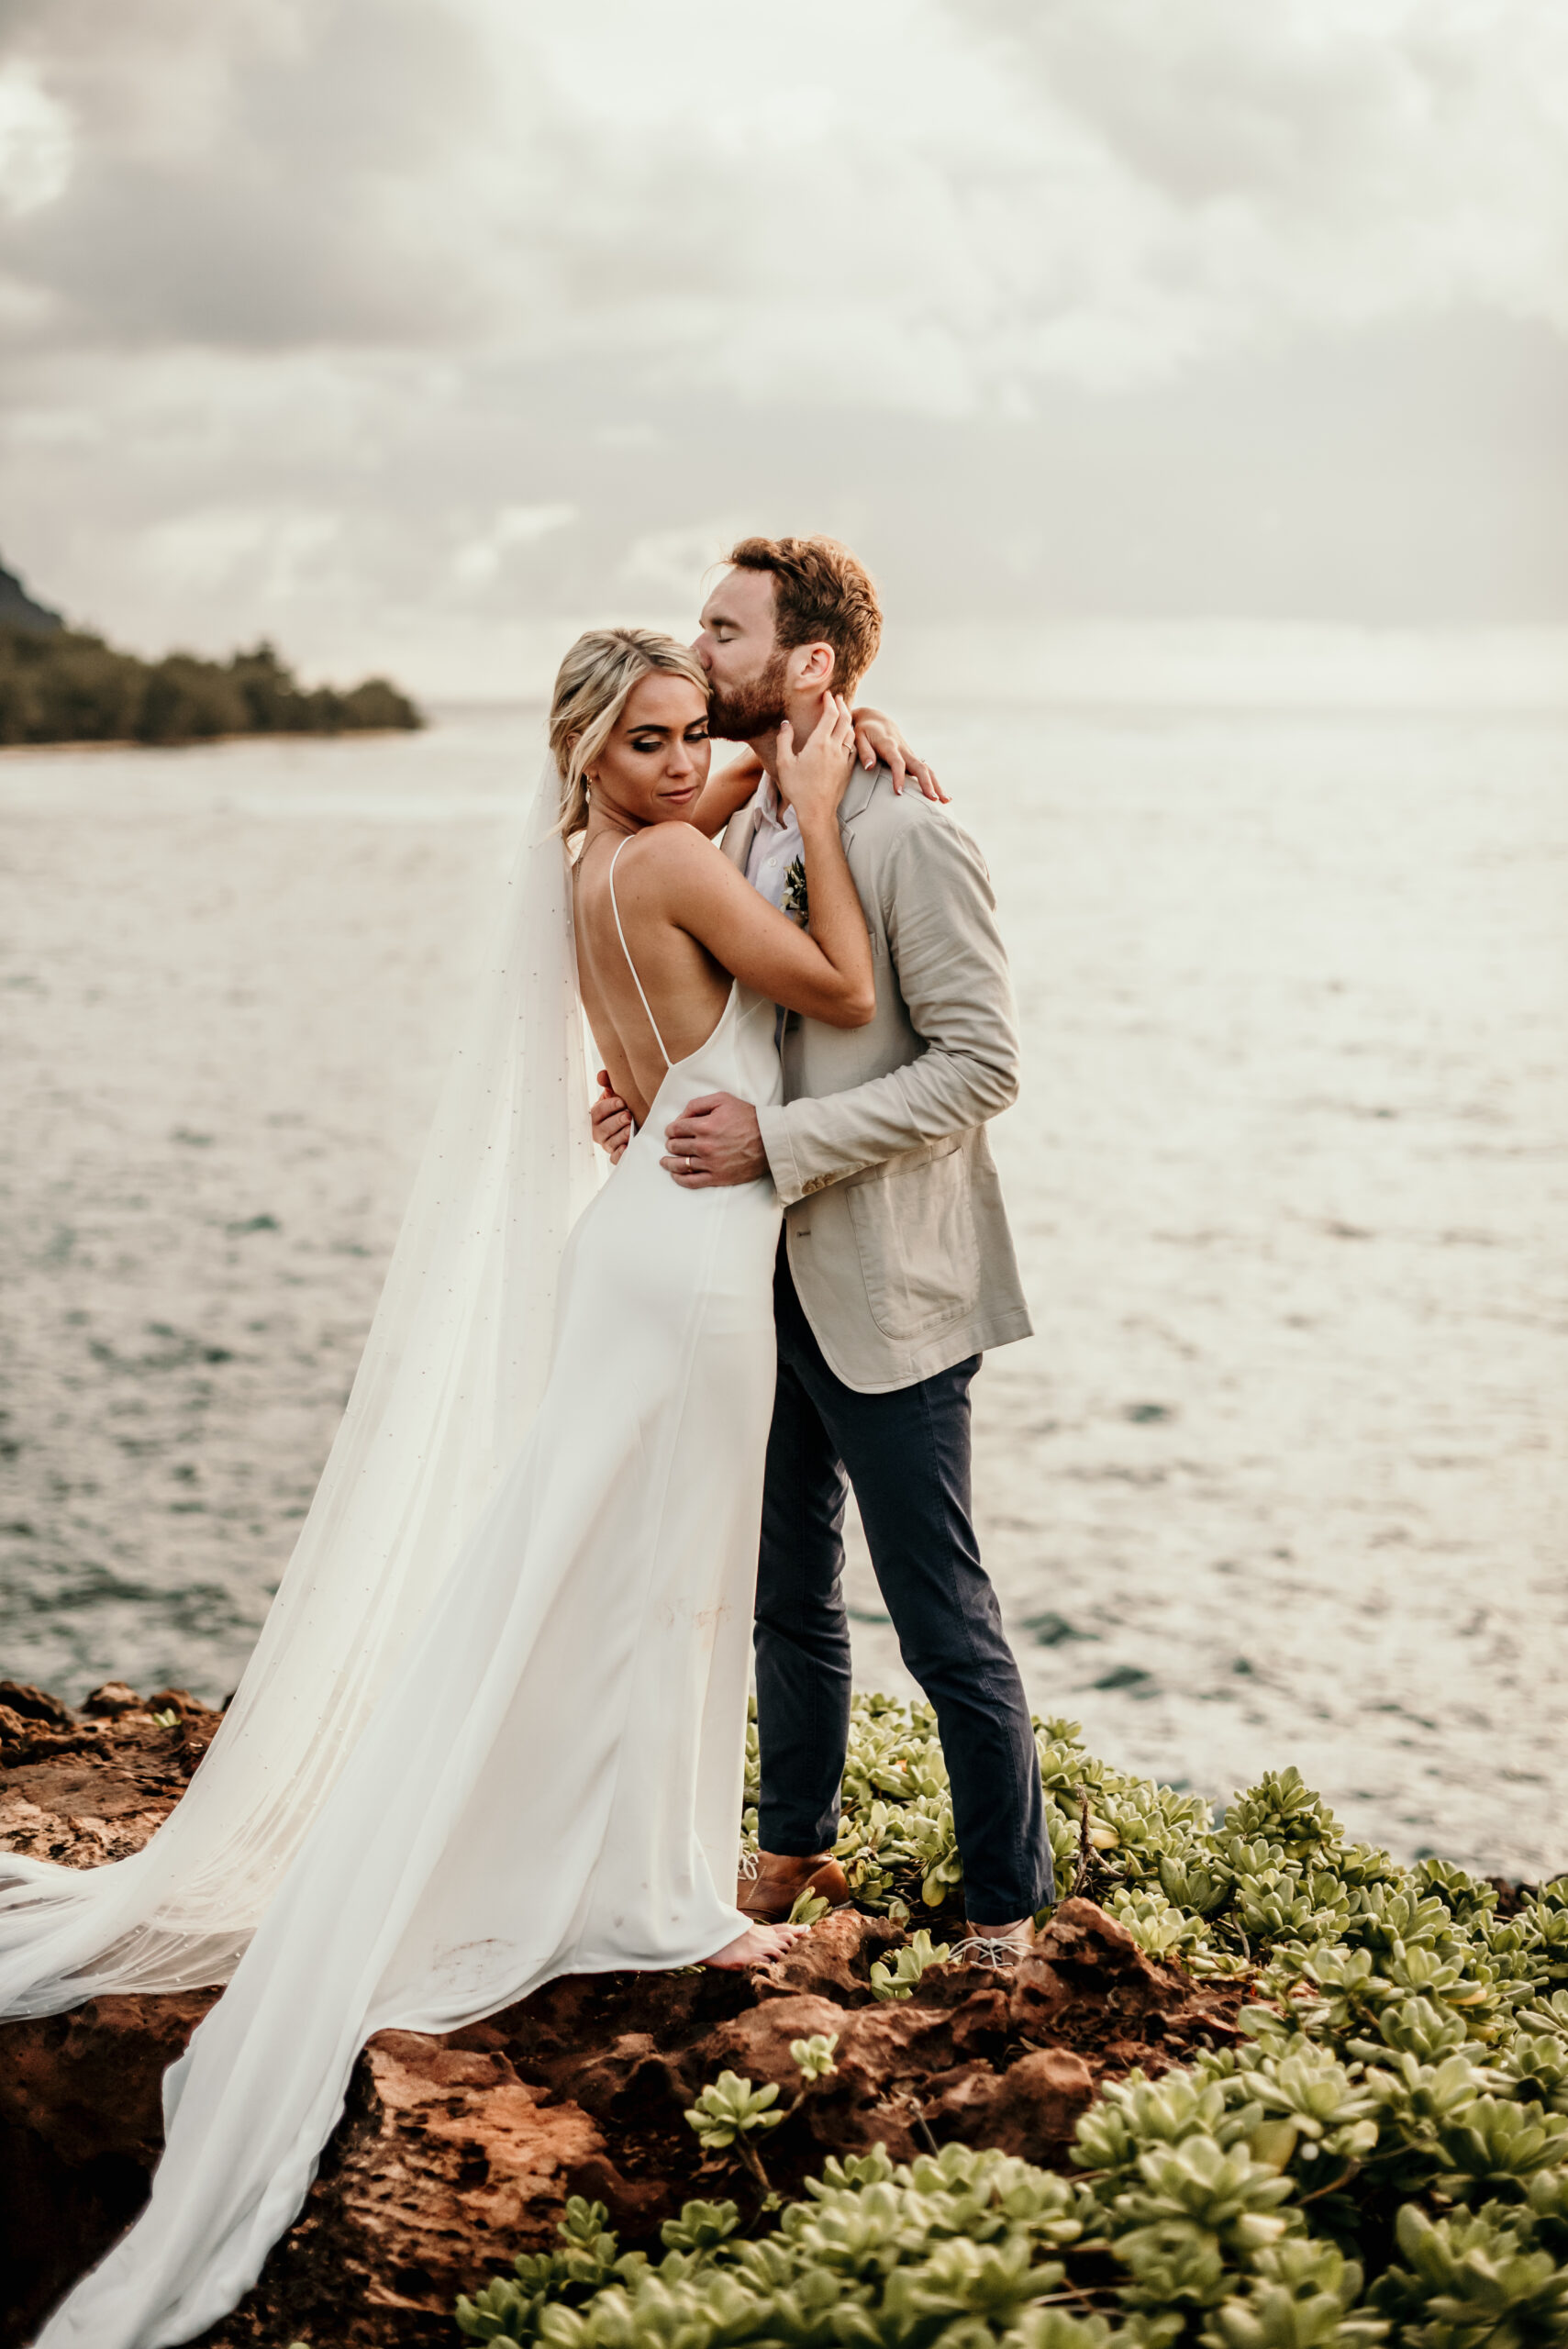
795	902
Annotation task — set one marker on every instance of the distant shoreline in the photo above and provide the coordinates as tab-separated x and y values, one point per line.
61	687
201	742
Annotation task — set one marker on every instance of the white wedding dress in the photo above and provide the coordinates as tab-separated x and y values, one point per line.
545	1774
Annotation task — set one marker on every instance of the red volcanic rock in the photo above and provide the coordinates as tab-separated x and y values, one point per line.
1044	2096
113	1698
890	2058
454	2154
835	1959
629	2085
1031	2109
80	1793
89	2083
449	2165
757	2045
442	2109
1088	1986
80	2126
35	1704
877	2094
444	2165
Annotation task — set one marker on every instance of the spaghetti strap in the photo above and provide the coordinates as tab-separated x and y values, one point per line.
630	965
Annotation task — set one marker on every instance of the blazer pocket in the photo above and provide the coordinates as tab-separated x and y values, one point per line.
914	1225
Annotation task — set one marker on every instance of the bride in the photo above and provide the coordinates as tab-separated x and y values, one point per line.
493	1729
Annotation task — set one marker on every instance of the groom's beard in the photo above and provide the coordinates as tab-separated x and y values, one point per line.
756	707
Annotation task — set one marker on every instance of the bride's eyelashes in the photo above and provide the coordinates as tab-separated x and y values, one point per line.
651	745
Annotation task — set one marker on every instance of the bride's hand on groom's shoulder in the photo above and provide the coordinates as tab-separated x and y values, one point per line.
878	740
611	1119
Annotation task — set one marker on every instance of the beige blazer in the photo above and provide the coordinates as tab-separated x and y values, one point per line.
893	1220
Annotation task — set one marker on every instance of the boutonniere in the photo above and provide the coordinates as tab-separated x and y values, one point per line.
795	902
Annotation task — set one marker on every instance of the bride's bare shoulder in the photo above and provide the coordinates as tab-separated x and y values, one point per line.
675	851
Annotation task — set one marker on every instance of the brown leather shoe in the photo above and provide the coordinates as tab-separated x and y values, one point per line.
996	1945
771	1891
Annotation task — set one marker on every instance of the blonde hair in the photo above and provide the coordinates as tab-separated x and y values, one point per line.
592	687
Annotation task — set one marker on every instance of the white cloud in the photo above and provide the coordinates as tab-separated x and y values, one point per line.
480	560
671	565
267	554
1323	161
495	299
35	142
952	206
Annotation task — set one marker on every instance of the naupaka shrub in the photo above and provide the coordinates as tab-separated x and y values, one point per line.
1382	2156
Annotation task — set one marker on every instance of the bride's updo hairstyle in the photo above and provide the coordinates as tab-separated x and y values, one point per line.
592	686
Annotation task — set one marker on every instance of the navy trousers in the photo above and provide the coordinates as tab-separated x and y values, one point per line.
907	1455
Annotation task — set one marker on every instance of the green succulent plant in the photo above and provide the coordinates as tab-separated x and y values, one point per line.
814	2056
898	1979
1382	2157
731	2108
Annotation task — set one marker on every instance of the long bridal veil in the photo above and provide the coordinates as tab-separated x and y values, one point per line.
452	1375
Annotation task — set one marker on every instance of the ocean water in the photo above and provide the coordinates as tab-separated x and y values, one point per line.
1283	1476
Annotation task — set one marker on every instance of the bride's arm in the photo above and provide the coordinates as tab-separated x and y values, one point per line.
725	793
824	971
877	742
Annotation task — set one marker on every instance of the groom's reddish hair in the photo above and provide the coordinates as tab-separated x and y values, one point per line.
821	596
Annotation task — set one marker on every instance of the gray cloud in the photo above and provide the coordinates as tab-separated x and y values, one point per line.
386	325
1320	160
273	179
1104	188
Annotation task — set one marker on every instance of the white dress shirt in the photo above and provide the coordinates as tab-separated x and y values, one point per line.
776	844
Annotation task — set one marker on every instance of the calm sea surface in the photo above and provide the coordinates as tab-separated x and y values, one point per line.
1282	1477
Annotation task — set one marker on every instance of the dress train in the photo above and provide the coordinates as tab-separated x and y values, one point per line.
551	1781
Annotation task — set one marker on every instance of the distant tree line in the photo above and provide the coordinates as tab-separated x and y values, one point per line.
59	685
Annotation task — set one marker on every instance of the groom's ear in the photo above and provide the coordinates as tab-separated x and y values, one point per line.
811	667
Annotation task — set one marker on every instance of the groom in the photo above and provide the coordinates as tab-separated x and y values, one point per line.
895	1267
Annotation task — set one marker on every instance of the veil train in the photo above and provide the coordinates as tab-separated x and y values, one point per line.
449	1379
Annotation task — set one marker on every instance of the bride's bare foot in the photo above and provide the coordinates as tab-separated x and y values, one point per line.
756	1946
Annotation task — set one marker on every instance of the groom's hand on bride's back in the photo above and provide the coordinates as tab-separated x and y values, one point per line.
714	1140
611	1119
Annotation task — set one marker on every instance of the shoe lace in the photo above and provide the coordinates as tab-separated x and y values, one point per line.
981	1949
749	1864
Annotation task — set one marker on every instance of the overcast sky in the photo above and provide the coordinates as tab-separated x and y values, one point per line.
401	329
